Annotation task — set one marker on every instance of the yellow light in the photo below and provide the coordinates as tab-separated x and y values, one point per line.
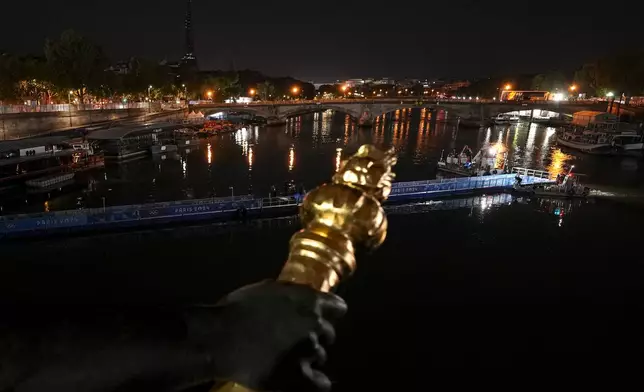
209	153
508	86
251	91
338	159
557	163
295	90
209	94
291	159
344	88
250	158
71	92
573	88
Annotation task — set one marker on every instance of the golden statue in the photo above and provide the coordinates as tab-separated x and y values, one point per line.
337	218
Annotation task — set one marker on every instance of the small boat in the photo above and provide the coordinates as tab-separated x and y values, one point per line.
595	142
629	141
566	187
458	164
48	181
490	160
158	149
506	119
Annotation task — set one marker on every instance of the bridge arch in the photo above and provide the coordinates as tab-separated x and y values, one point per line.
427	106
319	108
258	112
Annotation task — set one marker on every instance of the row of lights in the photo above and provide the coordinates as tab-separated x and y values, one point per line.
252	92
572	88
295	90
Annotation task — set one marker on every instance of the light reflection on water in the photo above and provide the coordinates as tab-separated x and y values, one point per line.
309	144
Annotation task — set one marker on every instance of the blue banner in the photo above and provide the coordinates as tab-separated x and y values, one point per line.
43	223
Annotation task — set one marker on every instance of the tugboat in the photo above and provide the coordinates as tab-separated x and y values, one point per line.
506	119
567	186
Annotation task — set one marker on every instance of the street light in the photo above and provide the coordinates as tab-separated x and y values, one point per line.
573	87
610	94
69	96
150	99
209	94
295	90
251	92
508	86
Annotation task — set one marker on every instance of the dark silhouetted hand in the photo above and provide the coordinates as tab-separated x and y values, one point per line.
269	336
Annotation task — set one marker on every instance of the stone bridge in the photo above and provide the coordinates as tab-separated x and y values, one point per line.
366	111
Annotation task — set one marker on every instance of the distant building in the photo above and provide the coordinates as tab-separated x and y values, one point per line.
174	68
456	85
354	82
408	82
121	68
189	58
384	81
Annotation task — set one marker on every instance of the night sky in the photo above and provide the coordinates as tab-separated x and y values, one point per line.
317	40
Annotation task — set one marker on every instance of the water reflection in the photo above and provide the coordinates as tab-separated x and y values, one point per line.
291	159
338	159
241	138
558	159
315	141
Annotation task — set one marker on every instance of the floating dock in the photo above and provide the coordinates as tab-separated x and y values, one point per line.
243	207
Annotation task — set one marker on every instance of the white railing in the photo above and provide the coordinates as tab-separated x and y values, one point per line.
12	109
531	172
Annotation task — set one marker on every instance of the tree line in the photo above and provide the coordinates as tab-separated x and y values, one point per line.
619	73
72	68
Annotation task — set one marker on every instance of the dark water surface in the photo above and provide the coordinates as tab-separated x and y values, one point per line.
507	288
468	295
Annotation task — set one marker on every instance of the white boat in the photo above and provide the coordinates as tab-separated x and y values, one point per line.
601	142
629	141
506	119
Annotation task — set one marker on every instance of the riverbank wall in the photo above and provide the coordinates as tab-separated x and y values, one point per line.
21	125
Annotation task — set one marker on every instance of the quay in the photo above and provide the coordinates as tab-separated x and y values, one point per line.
239	207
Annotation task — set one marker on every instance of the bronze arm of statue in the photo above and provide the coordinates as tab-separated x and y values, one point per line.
268	336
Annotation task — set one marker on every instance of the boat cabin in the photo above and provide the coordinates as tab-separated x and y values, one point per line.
595	121
33	157
127	142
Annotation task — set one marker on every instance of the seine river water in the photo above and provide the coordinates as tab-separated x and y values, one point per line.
307	151
490	290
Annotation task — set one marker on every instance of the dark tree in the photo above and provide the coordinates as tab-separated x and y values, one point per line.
76	63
